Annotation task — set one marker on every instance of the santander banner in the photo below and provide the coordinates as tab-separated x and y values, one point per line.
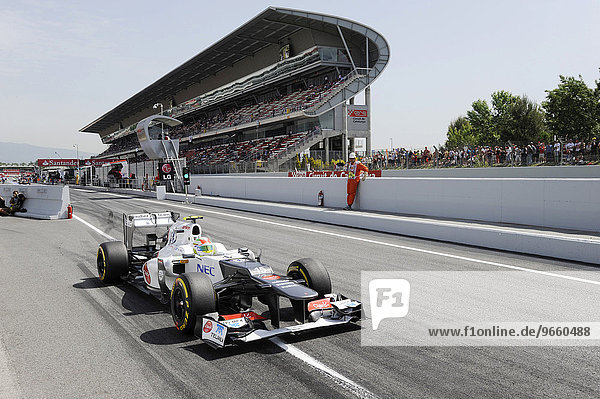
99	162
57	162
329	173
44	163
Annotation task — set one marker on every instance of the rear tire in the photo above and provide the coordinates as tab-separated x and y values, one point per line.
112	261
315	276
192	295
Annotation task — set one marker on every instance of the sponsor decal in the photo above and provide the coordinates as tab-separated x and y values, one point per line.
319	304
248	315
147	274
214	332
270	277
206	269
284	284
235	323
346	303
261	270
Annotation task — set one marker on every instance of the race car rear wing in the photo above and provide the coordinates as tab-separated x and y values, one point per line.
148	219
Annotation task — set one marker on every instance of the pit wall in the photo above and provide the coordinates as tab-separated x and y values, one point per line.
42	201
541	202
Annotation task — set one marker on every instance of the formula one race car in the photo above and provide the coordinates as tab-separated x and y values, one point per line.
205	281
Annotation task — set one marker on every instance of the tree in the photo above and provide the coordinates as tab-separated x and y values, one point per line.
573	109
460	134
502	102
524	122
480	118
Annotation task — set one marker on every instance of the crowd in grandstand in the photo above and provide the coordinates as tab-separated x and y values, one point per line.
275	105
573	152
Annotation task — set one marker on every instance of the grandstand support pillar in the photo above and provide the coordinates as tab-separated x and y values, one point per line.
345	131
368	104
327	158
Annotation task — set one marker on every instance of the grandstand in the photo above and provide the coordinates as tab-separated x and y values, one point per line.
279	85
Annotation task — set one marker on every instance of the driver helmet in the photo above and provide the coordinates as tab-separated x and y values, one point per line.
203	246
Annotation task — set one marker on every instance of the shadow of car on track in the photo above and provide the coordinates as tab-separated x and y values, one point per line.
265	347
133	300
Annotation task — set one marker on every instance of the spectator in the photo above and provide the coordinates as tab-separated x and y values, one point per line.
3	208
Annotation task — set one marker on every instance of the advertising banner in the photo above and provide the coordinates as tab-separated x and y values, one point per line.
357	117
46	163
329	173
166	171
98	162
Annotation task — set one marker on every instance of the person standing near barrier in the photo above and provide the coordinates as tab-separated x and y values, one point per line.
355	169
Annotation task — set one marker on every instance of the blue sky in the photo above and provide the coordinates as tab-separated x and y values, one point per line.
65	63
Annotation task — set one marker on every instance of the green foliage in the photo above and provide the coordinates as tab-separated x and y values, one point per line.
510	118
480	118
573	109
502	104
460	133
524	122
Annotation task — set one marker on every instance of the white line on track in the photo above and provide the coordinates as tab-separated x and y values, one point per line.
91	226
387	244
311	361
344	382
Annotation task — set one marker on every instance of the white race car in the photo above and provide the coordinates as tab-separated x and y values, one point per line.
204	280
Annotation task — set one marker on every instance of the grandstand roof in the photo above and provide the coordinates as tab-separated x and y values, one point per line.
272	26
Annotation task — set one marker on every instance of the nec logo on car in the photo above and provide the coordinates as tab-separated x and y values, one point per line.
206	269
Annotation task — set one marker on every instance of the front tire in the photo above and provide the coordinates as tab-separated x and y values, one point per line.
315	276
112	261
192	295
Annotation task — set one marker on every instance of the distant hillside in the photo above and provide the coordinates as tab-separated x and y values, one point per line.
17	153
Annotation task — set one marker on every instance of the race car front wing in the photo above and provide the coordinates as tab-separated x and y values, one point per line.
223	330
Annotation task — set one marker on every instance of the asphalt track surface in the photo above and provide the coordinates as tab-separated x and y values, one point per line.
64	334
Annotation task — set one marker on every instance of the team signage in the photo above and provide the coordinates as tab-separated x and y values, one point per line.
44	163
166	171
329	173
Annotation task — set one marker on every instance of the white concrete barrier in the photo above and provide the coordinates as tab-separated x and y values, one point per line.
573	247
551	203
569	246
161	192
42	202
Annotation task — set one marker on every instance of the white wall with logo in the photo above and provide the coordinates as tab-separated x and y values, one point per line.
546	202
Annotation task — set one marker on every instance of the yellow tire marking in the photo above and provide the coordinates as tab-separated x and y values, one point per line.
104	262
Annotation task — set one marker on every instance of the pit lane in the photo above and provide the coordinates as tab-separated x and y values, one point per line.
64	334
